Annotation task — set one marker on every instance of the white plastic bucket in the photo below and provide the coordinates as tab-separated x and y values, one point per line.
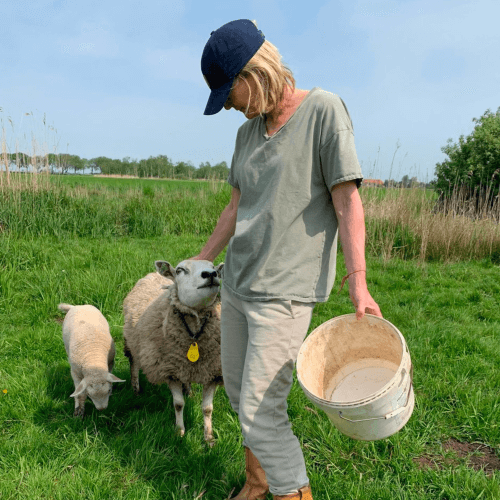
360	374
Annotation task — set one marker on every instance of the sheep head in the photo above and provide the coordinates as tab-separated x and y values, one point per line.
197	281
97	390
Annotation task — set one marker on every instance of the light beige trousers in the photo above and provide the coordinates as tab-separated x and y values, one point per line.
259	346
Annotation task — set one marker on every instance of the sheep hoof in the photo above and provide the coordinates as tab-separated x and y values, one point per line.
180	432
210	442
79	412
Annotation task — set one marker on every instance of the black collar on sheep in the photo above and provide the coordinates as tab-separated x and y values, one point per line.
183	318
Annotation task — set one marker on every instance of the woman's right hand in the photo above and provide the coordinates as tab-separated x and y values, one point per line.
196	257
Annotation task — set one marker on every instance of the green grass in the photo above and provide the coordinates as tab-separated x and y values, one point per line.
87	207
400	222
448	312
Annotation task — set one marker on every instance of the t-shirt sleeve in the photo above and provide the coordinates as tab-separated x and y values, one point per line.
338	158
231	177
339	162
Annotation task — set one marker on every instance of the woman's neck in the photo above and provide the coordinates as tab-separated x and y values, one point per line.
285	108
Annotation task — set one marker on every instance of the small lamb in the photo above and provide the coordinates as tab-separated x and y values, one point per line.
91	354
172	333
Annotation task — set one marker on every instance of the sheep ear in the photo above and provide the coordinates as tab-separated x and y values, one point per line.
81	387
219	269
113	378
165	269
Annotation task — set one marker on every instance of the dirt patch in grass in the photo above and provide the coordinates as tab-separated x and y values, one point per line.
477	456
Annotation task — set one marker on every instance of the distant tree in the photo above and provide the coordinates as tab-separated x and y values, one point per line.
63	163
221	170
105	165
11	160
91	165
163	166
128	166
53	161
184	170
74	162
474	163
405	181
204	171
22	160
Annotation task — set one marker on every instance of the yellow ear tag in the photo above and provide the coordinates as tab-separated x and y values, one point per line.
193	353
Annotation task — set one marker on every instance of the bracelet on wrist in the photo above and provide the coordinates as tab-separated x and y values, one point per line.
347	276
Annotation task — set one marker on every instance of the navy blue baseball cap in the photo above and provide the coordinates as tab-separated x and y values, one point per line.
226	53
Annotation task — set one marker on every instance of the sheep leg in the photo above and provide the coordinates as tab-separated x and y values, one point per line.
111	358
176	390
186	390
80	405
207	406
134	370
80	399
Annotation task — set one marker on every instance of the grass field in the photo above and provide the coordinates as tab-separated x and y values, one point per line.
82	240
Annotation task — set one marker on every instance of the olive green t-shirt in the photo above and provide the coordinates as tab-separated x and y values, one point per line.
285	242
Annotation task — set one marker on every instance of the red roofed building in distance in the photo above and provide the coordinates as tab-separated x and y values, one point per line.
372	183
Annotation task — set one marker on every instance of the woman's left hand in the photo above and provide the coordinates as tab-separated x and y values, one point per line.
363	301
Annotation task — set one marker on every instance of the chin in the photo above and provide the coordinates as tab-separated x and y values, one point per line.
251	115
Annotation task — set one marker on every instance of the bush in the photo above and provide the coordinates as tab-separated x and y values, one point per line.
473	167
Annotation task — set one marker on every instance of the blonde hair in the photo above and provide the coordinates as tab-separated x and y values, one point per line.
270	75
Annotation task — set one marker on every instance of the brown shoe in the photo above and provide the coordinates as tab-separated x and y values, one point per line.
256	487
303	494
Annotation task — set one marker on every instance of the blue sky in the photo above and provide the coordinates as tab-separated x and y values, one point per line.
122	78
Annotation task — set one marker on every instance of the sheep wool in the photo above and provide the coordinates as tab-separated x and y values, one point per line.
159	329
91	353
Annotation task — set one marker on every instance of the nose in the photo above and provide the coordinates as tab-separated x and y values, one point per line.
206	274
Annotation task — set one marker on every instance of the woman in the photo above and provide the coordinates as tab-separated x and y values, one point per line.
293	157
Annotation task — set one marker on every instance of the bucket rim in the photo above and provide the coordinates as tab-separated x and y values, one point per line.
405	360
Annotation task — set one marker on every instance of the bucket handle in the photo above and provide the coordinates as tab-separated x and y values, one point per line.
388	415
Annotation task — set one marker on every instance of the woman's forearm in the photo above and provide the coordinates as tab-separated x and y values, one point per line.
351	227
221	235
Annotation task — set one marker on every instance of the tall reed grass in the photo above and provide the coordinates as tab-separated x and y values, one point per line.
400	222
50	207
404	222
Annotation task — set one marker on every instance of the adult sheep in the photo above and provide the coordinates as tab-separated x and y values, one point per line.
172	333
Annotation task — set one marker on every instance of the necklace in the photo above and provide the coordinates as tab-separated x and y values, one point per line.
193	353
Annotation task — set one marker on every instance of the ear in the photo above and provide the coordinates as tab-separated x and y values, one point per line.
165	269
219	269
113	378
81	388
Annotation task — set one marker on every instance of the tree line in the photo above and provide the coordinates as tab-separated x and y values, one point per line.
155	166
473	164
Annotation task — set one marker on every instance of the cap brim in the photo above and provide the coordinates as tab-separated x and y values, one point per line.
217	99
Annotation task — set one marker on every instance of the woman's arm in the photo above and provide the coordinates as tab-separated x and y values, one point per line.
351	220
223	231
